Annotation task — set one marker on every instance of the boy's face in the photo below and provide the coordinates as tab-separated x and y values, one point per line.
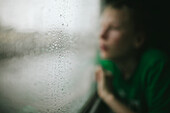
117	36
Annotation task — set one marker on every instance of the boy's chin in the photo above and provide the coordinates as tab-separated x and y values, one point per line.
105	56
109	56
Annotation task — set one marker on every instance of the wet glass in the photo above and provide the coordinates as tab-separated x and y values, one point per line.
47	52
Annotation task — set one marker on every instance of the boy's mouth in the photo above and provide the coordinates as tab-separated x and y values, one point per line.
103	47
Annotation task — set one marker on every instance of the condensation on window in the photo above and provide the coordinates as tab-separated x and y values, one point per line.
47	53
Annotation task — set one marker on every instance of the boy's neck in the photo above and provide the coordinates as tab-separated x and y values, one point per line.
127	65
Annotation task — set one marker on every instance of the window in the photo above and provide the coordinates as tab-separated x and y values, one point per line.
47	51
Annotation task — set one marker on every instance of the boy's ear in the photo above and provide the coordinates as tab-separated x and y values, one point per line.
139	40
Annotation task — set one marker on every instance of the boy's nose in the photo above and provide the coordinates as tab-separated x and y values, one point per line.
104	34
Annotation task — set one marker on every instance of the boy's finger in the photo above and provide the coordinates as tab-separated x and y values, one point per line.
98	73
106	72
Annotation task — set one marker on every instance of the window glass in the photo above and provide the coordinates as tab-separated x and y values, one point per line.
47	52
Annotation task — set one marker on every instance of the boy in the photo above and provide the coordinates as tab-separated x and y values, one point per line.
131	78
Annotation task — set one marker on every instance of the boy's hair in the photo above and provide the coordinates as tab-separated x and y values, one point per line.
136	11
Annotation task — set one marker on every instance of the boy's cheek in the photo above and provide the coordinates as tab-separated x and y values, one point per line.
115	38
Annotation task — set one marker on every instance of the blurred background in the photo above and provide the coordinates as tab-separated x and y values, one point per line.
48	50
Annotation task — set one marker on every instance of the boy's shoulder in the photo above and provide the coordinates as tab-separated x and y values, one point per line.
153	56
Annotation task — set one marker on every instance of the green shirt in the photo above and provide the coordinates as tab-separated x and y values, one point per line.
147	91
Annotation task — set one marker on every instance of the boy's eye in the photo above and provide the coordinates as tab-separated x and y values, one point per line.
114	28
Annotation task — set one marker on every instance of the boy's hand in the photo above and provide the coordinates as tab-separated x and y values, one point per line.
104	83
